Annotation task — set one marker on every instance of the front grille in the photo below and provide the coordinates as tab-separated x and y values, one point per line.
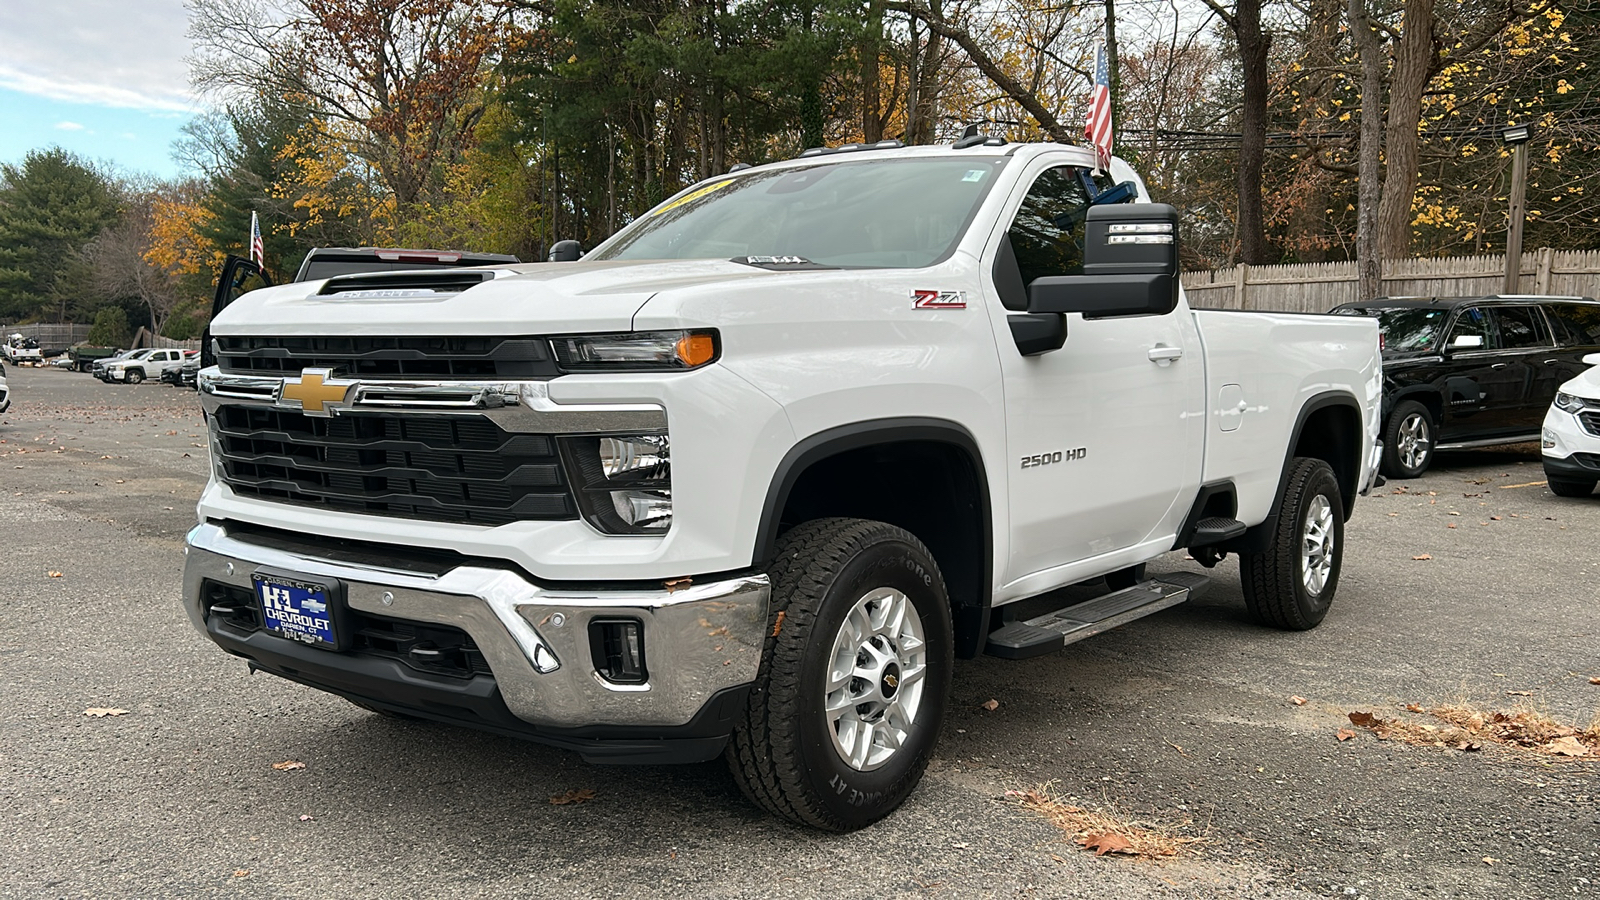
389	357
423	646
1590	420
439	468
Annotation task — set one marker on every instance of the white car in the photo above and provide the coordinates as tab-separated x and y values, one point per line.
5	392
1570	440
143	364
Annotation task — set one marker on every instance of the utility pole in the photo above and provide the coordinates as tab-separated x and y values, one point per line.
1114	75
1517	137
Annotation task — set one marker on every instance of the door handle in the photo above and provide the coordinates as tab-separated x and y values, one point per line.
1163	355
1551	362
1498	366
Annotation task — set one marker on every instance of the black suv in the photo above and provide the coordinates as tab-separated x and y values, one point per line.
1473	371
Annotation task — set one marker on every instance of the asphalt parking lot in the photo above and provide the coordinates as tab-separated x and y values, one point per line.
1182	717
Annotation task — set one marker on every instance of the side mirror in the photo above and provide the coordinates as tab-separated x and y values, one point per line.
1472	342
1130	266
566	251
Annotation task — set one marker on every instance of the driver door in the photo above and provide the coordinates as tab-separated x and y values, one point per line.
1104	433
239	277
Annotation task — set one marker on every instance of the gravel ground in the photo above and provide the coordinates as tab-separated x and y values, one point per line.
1183	717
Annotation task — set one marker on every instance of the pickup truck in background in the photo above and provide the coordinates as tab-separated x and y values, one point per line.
750	477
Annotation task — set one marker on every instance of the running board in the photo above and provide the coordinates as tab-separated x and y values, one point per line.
1050	632
1489	442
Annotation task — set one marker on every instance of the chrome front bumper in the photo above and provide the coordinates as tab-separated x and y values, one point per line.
699	640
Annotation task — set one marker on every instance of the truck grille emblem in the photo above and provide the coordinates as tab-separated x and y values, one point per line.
313	390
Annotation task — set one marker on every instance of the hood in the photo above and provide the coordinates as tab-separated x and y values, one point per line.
1586	385
532	298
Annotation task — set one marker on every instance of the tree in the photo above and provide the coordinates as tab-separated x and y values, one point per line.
110	328
50	207
117	259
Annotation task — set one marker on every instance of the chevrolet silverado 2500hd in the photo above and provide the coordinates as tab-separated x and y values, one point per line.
749	477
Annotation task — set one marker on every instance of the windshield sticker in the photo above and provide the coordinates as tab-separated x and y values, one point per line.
974	175
939	299
695	195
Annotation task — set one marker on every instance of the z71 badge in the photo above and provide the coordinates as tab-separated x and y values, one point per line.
939	299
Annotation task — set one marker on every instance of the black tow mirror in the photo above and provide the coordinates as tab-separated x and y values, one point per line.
1130	266
566	251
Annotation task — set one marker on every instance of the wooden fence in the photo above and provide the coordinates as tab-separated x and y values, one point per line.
1319	287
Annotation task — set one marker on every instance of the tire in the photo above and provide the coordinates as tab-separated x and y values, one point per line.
135	376
787	754
1291	584
1570	487
1408	439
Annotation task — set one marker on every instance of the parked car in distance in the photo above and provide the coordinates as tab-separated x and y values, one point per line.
142	364
182	374
1463	372
1569	442
20	350
326	262
5	391
97	367
83	358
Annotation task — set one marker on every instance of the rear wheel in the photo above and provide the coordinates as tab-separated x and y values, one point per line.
854	677
1408	440
1571	487
1291	583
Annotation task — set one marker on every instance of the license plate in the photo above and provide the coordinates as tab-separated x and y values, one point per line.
299	610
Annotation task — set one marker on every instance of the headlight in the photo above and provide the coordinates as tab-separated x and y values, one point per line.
636	351
1569	403
623	483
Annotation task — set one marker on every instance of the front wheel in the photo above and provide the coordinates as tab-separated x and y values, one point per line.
855	675
1408	441
135	376
1571	487
1291	584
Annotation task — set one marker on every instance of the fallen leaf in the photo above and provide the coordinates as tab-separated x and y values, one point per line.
1489	860
1423	556
1494	518
1519	693
54	574
1567	746
991	705
1364	719
1468	746
100	712
307	818
677	584
576	795
1415	707
1103	842
240	873
1345	734
1451	525
1298	701
1595	680
288	764
777	624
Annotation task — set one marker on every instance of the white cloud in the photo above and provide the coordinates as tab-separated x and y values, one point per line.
69	126
123	53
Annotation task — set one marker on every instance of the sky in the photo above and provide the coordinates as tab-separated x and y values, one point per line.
105	79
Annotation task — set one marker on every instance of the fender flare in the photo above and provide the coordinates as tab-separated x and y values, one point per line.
1256	539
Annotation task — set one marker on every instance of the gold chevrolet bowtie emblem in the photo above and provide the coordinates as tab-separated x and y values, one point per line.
312	390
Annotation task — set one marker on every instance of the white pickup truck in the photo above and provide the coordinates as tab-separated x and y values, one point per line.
753	474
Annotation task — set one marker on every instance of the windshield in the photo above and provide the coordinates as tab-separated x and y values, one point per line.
1404	329
883	213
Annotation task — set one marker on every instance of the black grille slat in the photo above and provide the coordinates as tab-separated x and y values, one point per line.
389	357
438	468
1590	421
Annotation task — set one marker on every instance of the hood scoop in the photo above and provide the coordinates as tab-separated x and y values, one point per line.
392	286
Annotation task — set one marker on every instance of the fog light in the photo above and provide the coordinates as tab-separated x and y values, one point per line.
644	510
617	646
1547	439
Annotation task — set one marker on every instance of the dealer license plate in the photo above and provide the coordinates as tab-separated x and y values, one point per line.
298	610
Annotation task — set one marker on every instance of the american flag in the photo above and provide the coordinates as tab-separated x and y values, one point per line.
258	250
1097	124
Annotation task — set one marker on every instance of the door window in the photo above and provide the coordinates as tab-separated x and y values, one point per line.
1047	234
1521	327
1471	322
